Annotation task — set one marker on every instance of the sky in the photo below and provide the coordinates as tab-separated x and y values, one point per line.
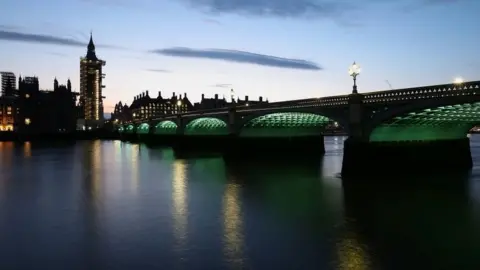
278	49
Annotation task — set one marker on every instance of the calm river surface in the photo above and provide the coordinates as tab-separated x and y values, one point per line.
115	205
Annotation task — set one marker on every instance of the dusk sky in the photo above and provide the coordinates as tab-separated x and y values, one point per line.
279	49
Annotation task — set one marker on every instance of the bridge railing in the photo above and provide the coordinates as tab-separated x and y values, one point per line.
291	104
424	92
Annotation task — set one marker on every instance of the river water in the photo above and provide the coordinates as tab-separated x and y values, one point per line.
116	205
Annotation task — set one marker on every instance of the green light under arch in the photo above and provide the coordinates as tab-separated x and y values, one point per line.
130	129
143	128
121	129
166	127
206	126
441	123
288	124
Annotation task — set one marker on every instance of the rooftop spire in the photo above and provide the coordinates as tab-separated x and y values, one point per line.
91	49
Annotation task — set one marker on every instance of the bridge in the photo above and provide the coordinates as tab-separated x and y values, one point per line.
414	128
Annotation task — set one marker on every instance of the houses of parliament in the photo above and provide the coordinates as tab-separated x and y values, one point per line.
25	108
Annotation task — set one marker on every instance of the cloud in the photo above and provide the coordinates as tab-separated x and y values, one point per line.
309	9
239	57
277	8
212	21
158	70
44	39
222	85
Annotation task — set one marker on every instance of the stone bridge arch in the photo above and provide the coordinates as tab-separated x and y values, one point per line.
130	129
165	127
336	115
283	124
206	126
440	119
143	128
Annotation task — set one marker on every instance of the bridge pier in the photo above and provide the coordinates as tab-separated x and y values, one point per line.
389	159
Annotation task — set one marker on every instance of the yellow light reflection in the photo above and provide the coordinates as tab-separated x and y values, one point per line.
134	156
27	149
6	152
180	204
351	254
232	226
96	167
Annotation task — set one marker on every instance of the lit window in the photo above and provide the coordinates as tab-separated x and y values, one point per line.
27	121
27	95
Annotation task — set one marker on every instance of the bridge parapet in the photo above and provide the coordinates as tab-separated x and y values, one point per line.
421	93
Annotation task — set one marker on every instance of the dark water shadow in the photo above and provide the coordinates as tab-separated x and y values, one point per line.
422	223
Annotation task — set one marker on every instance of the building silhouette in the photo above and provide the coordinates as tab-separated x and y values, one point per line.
8	83
91	98
215	102
45	111
144	106
121	113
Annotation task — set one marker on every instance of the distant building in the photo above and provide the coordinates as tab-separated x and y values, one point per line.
91	98
210	103
215	103
121	113
144	107
8	113
45	111
8	84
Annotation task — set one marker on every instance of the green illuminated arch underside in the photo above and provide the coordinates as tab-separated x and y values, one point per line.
288	124
442	123
143	128
206	126
130	129
166	127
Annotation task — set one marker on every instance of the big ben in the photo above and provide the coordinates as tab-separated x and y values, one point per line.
91	98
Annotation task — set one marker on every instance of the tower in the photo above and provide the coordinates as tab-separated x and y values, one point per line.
8	83
91	98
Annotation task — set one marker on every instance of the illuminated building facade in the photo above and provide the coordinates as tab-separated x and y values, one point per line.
144	107
8	113
8	84
91	98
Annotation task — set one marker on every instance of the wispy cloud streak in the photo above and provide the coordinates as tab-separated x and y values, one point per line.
158	70
239	57
44	39
305	9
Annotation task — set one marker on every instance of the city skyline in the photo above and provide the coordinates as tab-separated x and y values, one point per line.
274	49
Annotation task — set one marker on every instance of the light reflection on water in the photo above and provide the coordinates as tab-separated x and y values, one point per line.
232	226
126	206
180	206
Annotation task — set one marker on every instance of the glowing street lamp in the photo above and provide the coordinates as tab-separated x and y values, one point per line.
458	80
179	103
354	71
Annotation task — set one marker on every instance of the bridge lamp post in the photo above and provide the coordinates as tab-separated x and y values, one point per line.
458	80
179	106
354	71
